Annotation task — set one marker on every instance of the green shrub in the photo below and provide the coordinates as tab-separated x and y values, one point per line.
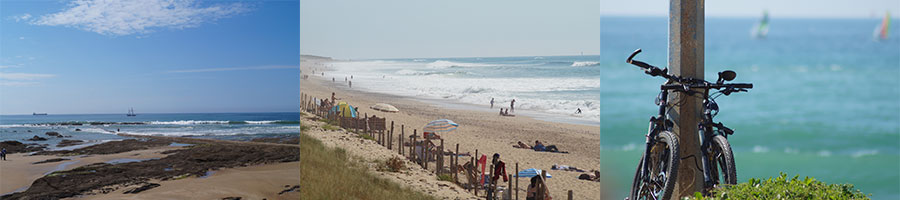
445	177
782	187
366	136
329	127
394	164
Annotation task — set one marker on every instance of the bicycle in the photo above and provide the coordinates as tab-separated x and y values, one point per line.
657	170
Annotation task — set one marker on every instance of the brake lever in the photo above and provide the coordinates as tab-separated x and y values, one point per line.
722	128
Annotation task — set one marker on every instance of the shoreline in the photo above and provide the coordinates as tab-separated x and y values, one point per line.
449	104
486	132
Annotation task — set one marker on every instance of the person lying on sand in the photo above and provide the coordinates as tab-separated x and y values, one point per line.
566	168
521	145
590	177
538	146
450	153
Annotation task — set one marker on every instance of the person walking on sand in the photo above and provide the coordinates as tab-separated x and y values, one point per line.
512	105
492	102
3	154
332	79
350	83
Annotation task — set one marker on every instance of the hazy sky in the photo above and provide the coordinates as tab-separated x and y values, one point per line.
754	8
464	28
158	57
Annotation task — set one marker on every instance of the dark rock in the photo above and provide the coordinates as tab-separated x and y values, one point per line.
37	138
77	129
13	146
50	160
66	143
54	134
295	188
144	187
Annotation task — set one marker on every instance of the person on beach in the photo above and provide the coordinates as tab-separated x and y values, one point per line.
350	84
538	146
512	105
537	183
332	97
332	79
3	154
522	145
501	111
498	169
578	111
492	102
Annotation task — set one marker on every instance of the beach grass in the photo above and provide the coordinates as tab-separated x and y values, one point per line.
330	174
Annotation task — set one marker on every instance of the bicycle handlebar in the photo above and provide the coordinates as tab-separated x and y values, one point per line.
686	87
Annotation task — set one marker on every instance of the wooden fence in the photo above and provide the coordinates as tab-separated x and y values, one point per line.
423	151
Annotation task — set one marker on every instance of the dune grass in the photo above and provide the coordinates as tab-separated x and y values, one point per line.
328	173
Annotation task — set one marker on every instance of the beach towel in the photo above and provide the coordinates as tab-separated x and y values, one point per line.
482	161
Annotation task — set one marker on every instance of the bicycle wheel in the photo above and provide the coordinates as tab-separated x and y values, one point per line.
722	161
663	170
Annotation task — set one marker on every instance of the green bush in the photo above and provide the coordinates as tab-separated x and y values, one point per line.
445	177
329	127
782	187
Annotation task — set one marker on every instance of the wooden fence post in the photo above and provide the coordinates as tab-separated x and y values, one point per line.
570	194
391	136
456	163
517	180
400	139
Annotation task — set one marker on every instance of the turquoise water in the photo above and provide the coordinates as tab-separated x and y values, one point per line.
825	102
235	126
548	85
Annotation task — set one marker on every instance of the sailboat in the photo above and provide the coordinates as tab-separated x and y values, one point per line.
762	28
881	31
131	113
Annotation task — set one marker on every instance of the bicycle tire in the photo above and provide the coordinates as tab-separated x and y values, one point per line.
667	167
723	165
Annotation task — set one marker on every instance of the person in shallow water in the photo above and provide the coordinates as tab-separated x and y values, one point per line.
578	111
512	105
492	102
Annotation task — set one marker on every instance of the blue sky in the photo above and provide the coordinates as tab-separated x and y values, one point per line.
459	28
754	8
99	57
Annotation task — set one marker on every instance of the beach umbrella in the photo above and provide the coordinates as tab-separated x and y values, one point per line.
532	172
441	125
385	107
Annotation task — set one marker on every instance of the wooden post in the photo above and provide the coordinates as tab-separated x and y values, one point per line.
400	139
570	194
686	40
412	148
456	163
391	136
517	180
441	158
542	186
477	180
472	160
508	187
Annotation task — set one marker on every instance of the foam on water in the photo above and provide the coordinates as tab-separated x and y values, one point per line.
584	63
477	81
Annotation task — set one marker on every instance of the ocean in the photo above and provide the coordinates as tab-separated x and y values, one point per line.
825	102
545	87
229	126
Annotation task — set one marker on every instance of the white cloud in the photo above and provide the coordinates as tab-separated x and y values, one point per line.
21	38
128	17
23	17
24	76
235	69
16	83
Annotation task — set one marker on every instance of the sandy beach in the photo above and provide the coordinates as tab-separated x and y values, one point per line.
169	168
483	130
